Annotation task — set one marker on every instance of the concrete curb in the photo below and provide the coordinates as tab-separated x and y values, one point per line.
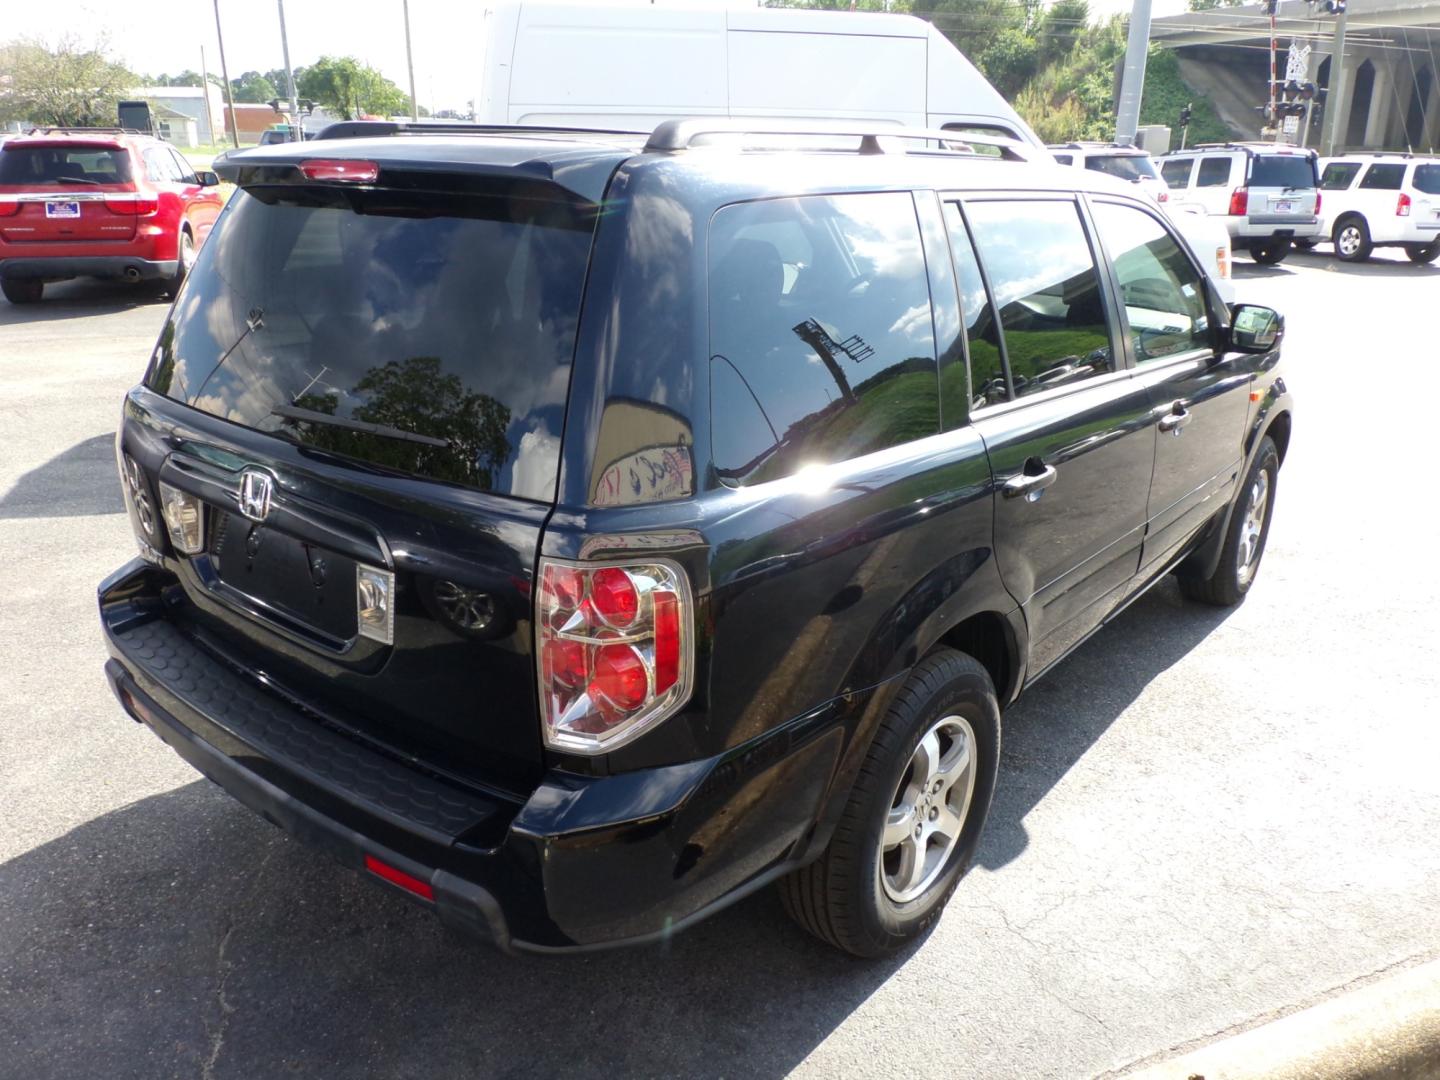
1389	1030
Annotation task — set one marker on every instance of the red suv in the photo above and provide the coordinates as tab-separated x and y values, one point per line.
99	203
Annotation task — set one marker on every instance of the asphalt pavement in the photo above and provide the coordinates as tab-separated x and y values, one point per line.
1205	819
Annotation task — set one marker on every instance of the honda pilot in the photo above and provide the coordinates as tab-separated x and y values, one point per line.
574	532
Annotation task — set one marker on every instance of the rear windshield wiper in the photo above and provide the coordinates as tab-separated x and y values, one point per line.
74	180
309	416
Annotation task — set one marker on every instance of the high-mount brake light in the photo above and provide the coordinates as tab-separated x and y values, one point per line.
1239	202
1402	205
614	650
353	172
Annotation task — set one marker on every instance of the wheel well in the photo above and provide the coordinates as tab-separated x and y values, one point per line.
1279	432
987	638
1349	215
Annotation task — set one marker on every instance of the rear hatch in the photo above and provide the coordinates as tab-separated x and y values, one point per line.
1427	197
1282	188
365	383
59	190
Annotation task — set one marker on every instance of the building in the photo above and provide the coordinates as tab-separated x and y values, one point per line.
203	105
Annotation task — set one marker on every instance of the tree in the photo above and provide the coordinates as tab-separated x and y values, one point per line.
1010	61
1211	5
351	89
253	88
67	85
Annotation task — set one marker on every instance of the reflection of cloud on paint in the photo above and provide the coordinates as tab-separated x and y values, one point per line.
536	463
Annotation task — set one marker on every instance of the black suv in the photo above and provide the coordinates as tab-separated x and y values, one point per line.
576	532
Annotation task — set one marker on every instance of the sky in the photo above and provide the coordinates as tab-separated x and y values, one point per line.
167	35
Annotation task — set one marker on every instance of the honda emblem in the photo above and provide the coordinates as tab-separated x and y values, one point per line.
255	495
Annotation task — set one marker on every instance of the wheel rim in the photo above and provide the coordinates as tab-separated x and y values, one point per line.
1349	240
1251	526
928	812
187	252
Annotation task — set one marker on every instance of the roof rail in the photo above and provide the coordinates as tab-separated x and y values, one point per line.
683	134
86	131
363	129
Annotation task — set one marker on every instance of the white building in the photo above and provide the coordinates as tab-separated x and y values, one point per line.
204	105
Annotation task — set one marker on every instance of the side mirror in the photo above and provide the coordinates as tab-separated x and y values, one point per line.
207	178
1255	329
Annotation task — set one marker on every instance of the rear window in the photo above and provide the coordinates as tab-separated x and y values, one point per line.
448	323
1282	171
1125	166
68	164
1427	179
1339	175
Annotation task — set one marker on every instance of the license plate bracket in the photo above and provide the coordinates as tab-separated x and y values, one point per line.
1284	206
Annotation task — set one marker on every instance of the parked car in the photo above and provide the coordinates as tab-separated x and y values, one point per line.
1381	200
1266	194
1128	163
574	533
99	203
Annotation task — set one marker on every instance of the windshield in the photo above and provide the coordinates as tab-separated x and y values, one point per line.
402	313
1125	166
1282	171
67	164
1427	179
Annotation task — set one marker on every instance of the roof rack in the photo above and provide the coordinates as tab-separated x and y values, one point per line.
365	129
683	134
1242	145
85	131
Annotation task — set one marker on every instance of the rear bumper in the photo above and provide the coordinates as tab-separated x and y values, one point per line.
583	862
1262	228
62	267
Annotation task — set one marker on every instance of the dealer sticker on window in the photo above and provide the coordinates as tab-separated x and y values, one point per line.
62	209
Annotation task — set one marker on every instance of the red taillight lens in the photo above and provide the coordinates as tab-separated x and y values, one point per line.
1239	201
614	650
355	172
132	205
1317	202
1402	205
9	208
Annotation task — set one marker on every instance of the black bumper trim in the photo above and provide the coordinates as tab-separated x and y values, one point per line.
61	267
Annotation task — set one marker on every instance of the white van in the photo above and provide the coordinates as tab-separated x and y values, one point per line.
630	65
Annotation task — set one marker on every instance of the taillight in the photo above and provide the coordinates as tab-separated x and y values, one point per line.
1239	201
1222	260
132	204
355	172
9	207
1317	204
614	648
1402	205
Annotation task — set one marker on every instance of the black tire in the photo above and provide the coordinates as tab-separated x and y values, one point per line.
840	897
1423	253
1269	252
184	260
22	290
1351	237
1230	582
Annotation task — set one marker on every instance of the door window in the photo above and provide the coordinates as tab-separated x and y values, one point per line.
157	167
828	356
1214	172
184	172
1177	172
1163	292
988	385
1044	282
1339	175
1383	178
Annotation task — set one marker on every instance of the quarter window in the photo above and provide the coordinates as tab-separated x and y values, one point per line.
1045	285
1339	175
1163	293
1427	179
1214	172
1177	173
827	357
1383	178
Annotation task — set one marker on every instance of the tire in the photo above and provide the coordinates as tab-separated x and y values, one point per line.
1305	245
1423	253
22	290
1270	252
1352	239
184	260
1245	540
847	897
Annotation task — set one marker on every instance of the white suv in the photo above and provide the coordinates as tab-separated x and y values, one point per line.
1382	200
1124	162
1266	194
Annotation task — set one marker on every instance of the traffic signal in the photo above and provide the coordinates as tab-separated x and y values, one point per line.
1185	116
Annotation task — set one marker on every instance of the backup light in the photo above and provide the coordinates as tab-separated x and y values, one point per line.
375	604
614	651
184	516
355	172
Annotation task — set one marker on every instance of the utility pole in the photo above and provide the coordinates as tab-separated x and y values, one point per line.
1132	82
225	74
1271	116
410	65
1335	95
295	133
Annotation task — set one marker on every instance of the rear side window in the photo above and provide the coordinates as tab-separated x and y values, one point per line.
824	360
1064	159
1427	179
1214	172
1125	166
1339	175
1163	293
988	385
1177	173
449	322
64	165
1043	278
1383	178
1282	171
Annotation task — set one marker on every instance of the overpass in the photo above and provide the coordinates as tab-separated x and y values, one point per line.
1389	96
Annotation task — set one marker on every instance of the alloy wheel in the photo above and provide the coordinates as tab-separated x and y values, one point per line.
928	811
1251	525
1348	242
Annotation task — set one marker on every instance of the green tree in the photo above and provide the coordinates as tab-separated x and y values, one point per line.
1010	60
1211	5
253	88
351	89
67	84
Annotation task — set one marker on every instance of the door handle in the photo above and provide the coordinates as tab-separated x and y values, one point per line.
1176	419
1029	484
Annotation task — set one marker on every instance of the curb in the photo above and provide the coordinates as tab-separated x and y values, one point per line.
1389	1030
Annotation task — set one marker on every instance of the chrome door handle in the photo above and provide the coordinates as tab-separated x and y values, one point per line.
1176	419
1030	485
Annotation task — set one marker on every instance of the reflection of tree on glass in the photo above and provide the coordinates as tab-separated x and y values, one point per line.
415	396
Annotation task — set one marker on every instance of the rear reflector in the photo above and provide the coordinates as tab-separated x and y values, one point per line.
410	884
355	172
